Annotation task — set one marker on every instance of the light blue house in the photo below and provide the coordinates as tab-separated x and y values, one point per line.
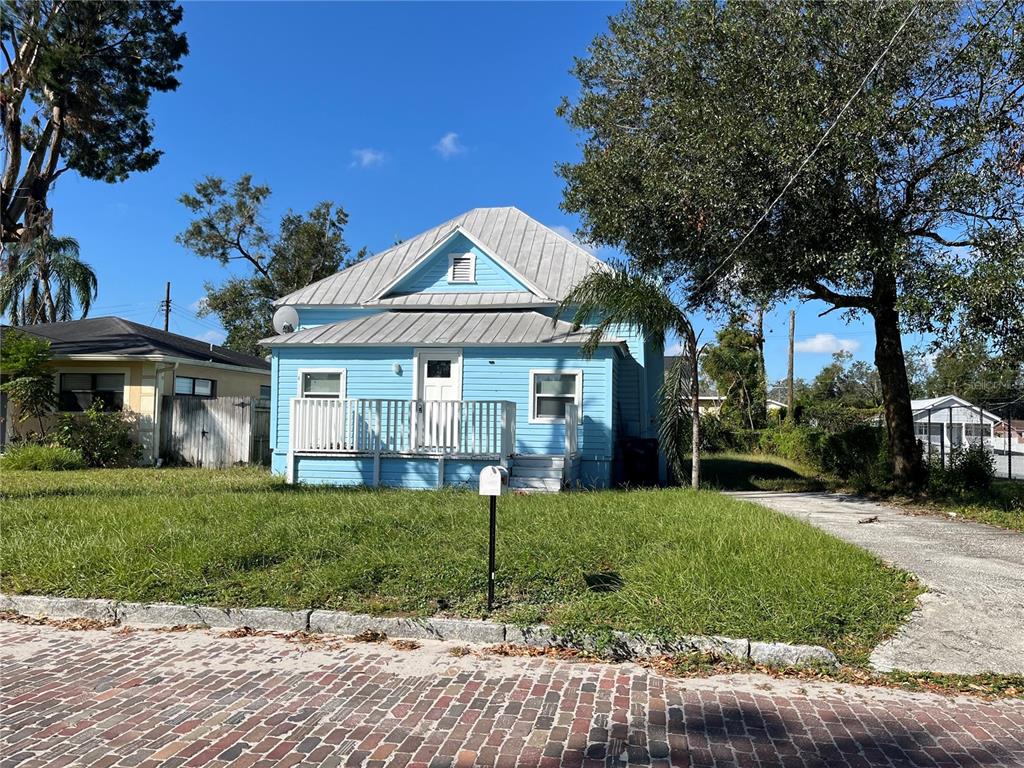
420	365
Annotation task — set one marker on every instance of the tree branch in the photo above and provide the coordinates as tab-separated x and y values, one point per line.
820	291
940	239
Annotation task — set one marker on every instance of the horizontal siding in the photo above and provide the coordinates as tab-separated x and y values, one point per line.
394	472
432	276
369	373
503	373
489	373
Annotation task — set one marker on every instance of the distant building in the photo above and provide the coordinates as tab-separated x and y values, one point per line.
129	366
950	421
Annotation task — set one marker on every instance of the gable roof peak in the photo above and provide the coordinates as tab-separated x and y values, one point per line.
546	260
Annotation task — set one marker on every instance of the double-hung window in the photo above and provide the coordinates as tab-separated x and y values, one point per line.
322	384
78	391
189	385
551	392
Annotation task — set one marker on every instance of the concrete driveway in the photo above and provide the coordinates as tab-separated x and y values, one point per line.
972	618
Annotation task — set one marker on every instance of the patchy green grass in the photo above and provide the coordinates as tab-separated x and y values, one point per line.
757	472
667	562
1002	505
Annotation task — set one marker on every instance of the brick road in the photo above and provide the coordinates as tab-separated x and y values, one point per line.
193	698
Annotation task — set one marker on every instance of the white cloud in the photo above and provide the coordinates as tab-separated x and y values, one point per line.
449	145
213	337
197	306
367	158
569	235
826	344
675	349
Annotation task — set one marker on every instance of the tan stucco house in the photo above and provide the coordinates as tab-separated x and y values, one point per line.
131	366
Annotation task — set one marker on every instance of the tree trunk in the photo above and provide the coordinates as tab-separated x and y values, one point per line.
694	352
892	374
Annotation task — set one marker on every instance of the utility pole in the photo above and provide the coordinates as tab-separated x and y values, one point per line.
166	305
790	415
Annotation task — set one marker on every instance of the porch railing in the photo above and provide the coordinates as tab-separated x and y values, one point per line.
424	427
572	429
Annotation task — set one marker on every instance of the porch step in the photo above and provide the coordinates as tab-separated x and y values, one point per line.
536	484
536	472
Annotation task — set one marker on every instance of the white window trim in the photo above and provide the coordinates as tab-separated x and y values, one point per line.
472	268
577	399
342	389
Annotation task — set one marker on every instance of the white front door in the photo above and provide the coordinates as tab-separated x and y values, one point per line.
439	392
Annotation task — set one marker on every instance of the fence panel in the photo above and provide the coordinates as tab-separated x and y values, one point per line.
215	432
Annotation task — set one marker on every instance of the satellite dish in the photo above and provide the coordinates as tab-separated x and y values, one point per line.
286	319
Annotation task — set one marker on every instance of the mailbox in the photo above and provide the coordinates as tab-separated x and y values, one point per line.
491	480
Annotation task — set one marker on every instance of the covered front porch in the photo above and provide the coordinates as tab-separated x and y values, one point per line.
418	443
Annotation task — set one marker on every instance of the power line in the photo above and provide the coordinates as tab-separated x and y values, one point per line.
813	152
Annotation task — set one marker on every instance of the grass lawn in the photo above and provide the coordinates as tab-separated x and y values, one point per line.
668	562
1003	505
757	472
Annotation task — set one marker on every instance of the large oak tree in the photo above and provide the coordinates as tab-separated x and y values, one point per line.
74	95
696	116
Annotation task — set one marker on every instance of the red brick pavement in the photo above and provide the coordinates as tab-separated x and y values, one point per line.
196	698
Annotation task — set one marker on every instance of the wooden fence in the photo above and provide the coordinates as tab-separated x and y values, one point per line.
214	432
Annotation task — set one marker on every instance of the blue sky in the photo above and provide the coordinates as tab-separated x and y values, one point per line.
404	114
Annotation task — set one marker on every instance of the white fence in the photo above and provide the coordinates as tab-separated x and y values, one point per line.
473	428
214	432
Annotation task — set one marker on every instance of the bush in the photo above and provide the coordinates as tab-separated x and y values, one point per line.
46	458
103	438
859	454
967	469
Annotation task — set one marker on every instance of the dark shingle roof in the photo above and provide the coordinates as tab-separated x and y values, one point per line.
116	336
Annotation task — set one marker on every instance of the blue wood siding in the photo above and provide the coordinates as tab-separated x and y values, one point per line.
432	275
394	472
499	373
503	373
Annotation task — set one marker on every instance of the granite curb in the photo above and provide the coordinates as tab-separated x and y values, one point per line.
617	645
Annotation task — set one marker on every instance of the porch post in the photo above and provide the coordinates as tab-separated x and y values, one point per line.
376	447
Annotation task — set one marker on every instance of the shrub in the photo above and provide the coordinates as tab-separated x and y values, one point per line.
103	438
967	469
47	458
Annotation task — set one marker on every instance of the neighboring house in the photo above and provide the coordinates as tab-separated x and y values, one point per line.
949	421
130	366
419	366
1016	436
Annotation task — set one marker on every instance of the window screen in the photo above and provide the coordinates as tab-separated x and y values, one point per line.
78	391
189	385
321	384
552	392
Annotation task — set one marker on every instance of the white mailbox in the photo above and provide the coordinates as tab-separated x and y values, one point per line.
491	480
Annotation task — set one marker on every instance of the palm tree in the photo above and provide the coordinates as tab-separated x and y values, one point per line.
44	279
628	298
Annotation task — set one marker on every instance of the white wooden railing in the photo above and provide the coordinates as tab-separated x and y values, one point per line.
424	427
572	429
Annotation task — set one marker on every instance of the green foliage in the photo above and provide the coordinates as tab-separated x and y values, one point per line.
46	458
43	279
102	438
28	384
76	96
687	562
609	298
969	369
967	469
857	454
228	226
905	212
734	363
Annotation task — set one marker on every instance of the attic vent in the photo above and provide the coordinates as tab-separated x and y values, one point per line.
462	268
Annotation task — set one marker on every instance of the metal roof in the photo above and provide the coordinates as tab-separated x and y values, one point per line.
542	256
465	299
465	328
117	336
